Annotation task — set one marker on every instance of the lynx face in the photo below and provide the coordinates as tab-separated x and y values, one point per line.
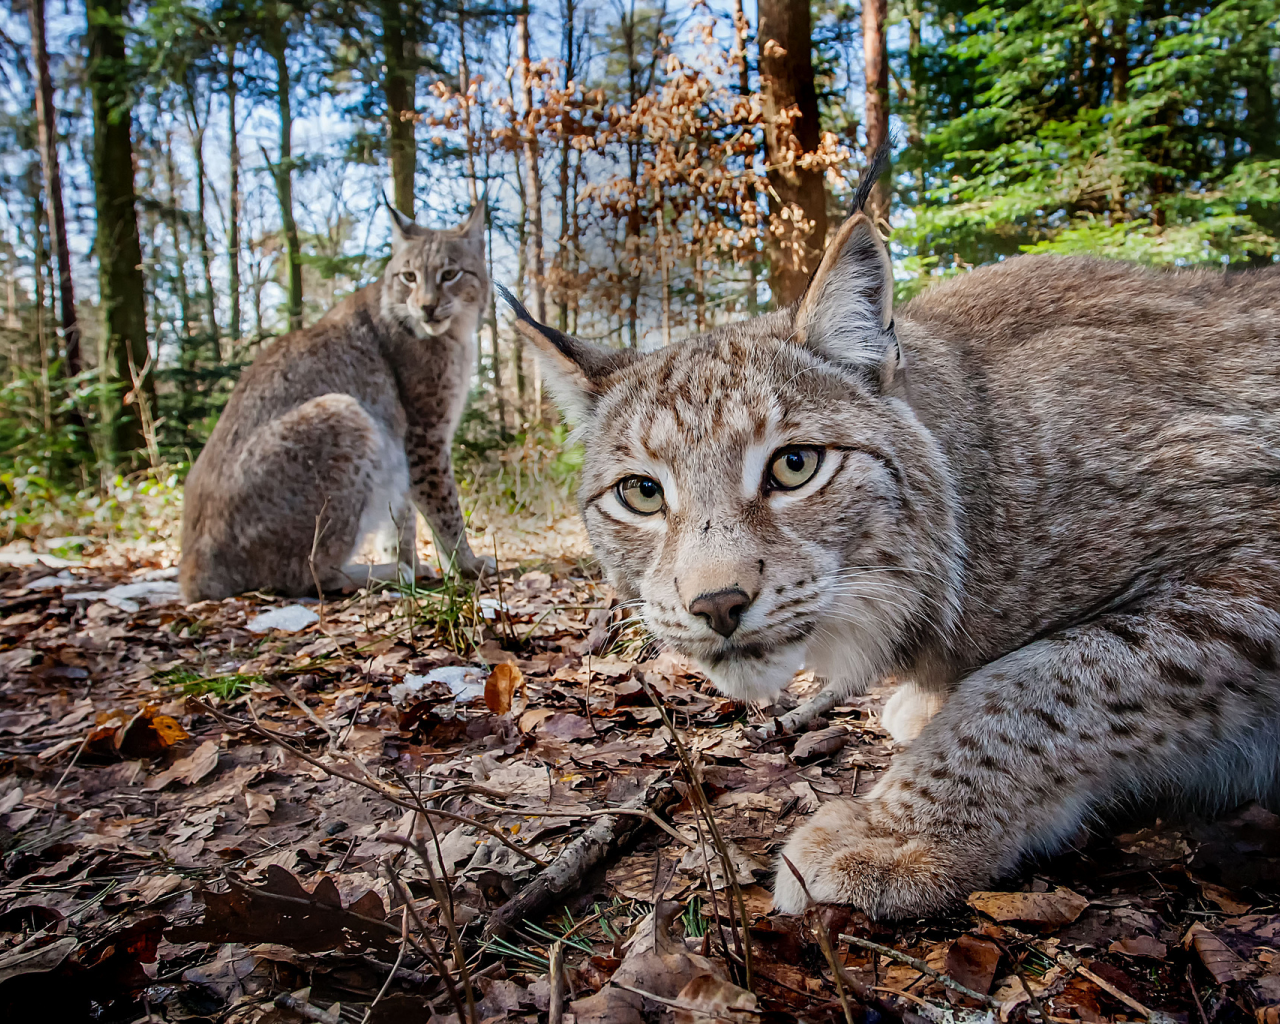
763	493
435	277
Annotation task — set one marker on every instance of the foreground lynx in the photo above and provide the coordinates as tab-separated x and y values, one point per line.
337	432
1049	494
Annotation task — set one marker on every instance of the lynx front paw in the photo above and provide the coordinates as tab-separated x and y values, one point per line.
474	567
846	855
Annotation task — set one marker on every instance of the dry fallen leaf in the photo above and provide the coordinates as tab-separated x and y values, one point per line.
820	743
972	961
260	807
1046	909
1218	958
1223	897
501	686
707	999
1140	945
189	770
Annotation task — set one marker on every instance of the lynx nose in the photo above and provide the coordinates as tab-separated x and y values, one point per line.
722	609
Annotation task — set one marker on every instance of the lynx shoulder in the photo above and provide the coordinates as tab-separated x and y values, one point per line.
337	433
1048	492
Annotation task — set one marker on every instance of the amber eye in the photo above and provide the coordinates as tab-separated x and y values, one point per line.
793	467
641	494
408	276
451	274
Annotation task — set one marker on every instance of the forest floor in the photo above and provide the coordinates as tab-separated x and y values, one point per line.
409	807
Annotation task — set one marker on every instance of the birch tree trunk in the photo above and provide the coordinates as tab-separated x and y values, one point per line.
276	42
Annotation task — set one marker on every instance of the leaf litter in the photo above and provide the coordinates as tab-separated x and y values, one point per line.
456	803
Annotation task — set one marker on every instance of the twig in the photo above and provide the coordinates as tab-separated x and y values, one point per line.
639	812
568	871
555	973
1196	996
922	967
700	798
404	943
1071	963
376	785
443	901
824	941
304	1009
822	702
431	953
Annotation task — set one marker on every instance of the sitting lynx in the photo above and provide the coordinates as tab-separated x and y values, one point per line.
338	431
1049	493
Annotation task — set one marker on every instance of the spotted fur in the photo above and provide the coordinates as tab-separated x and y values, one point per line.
337	432
1050	496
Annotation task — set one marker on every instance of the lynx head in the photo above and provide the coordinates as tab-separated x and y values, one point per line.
435	279
764	493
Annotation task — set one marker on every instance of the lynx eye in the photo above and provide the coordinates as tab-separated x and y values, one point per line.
793	467
451	274
641	494
408	276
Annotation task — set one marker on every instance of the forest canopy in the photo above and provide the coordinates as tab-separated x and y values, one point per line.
184	181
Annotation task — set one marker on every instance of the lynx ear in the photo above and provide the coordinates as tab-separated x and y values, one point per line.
848	307
403	227
846	313
473	227
575	369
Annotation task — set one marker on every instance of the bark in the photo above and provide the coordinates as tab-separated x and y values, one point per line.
117	245
522	259
741	28
786	73
875	54
186	360
233	197
400	88
563	256
464	86
276	42
197	127
46	121
533	187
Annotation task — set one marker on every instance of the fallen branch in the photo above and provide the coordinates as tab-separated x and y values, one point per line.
639	812
568	871
822	702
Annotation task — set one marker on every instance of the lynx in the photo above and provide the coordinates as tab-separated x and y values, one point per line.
1048	493
336	432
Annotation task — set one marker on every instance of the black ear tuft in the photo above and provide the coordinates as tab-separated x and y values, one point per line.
402	223
568	346
875	167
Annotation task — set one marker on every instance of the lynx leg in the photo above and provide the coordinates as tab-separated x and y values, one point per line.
1182	696
908	710
436	495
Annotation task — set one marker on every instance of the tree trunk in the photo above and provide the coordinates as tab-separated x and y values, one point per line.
741	30
875	54
522	256
197	127
117	245
534	188
400	87
233	199
46	121
277	46
786	73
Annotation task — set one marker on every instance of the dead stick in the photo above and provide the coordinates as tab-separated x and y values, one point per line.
555	972
645	813
568	871
922	967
